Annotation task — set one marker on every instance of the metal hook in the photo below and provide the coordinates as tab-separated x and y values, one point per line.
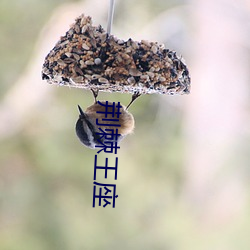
110	15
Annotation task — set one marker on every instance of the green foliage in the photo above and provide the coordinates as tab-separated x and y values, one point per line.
20	24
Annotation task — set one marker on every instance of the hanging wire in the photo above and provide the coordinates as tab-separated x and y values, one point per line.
110	15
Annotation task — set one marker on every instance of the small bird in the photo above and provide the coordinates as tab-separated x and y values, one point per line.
91	134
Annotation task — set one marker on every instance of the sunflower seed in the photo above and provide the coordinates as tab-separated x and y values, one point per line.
85	46
150	74
131	80
61	62
144	78
95	76
154	49
77	29
145	42
78	70
103	80
77	57
69	60
134	72
77	79
68	54
88	62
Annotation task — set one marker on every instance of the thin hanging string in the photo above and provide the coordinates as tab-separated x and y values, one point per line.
110	16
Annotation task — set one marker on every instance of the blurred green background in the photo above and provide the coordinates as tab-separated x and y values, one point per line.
183	176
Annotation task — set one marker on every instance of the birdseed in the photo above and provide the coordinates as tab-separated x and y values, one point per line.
88	57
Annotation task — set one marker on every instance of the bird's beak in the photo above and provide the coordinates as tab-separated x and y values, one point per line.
82	114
